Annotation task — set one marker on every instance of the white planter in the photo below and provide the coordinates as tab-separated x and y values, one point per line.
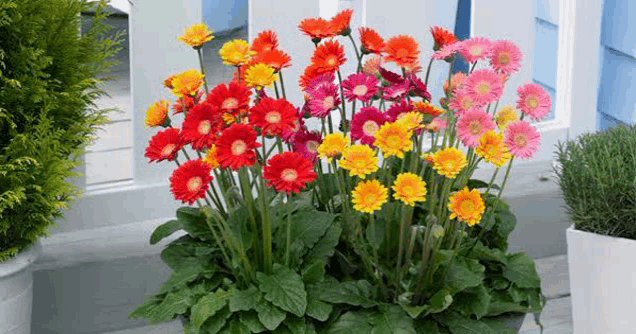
602	282
16	291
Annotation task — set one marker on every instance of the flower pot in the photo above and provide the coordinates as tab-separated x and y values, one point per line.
16	291
602	282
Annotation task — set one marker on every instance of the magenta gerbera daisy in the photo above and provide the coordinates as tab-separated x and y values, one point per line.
307	143
397	109
365	123
325	99
533	101
418	87
461	101
505	57
474	49
473	124
483	86
396	91
360	86
326	79
522	139
447	52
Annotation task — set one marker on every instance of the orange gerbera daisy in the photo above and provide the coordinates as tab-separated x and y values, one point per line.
371	41
276	59
190	181
210	157
265	41
341	21
196	35
329	56
316	28
402	50
442	37
311	72
187	83
492	148
467	206
157	114
427	109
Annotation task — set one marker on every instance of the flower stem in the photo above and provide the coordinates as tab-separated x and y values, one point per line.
428	71
282	84
358	56
205	81
289	212
344	104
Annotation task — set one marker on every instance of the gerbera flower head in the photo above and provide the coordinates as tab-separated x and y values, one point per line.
307	143
316	28
325	99
372	66
412	120
417	86
456	82
398	109
427	109
187	83
522	139
409	188
437	124
393	139
340	23
534	101
371	41
200	126
449	162
311	72
462	102
474	49
273	116
210	157
276	59
289	172
231	98
236	52
467	206
471	125
368	196
396	91
164	145
157	114
402	50
484	86
505	57
189	182
366	123
187	101
322	80
492	148
260	75
359	160
333	145
505	116
266	40
442	37
167	81
360	86
235	146
196	35
447	52
329	56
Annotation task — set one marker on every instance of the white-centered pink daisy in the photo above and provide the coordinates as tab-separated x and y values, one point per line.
472	125
398	109
360	86
474	49
484	86
533	101
365	123
307	143
325	99
505	57
396	91
522	139
446	52
462	101
326	79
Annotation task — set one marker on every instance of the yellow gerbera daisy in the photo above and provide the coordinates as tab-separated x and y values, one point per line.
360	160
187	83
505	116
393	139
196	35
260	75
466	206
210	157
236	52
333	145
368	196
412	120
156	114
449	162
409	188
492	148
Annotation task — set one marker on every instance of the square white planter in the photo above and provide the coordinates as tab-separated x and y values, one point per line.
602	282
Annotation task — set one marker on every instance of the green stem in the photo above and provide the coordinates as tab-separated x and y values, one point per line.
282	84
428	71
276	90
205	82
358	56
344	104
289	213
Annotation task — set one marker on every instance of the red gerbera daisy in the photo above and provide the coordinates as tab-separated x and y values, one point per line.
311	72
442	37
397	109
273	116
402	50
200	126
371	41
235	146
164	145
316	28
265	41
289	172
341	21
230	98
307	143
190	181
186	100
329	56
276	59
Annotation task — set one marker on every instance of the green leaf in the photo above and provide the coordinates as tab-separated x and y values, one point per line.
164	230
479	184
181	277
172	304
285	289
240	224
459	324
270	315
482	252
473	301
235	326
502	302
392	319
413	310
498	326
427	325
314	273
245	300
353	322
308	227
440	301
215	323
208	306
296	324
325	246
250	319
463	273
506	222
358	293
521	271
145	310
194	223
180	254
316	308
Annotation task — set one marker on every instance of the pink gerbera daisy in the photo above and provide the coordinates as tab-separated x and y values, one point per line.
307	143
462	101
396	91
483	86
456	82
505	57
360	86
437	124
474	49
397	109
522	139
324	100
446	52
372	66
299	126
326	79
533	101
365	123
472	125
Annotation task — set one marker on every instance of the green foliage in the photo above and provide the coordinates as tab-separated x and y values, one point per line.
48	85
597	176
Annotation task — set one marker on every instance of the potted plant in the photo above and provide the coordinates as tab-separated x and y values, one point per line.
596	173
47	88
308	230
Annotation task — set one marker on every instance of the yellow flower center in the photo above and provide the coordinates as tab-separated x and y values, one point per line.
360	90
204	127
327	103
408	190
402	53
521	140
230	103
393	141
449	165
331	61
194	184
467	206
467	103
370	198
475	50
369	128
482	88
168	149
504	58
532	102
312	146
491	150
475	128
238	147
273	117
289	175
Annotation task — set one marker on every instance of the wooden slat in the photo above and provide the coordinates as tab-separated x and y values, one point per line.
108	166
619	26
113	136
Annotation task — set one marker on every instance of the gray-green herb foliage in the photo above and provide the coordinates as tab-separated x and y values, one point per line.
48	85
598	180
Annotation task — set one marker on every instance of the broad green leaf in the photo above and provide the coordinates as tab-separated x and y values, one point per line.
245	300
285	289
325	246
479	184
426	325
235	326
309	226
392	319
459	324
180	254
521	271
194	223
471	301
208	306
482	252
499	282
506	222
270	315
181	277
240	224
413	310
499	325
375	239
164	230
296	324
358	293
439	302
316	308
250	319
314	273
502	302
215	323
145	310
463	273
172	305
353	322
